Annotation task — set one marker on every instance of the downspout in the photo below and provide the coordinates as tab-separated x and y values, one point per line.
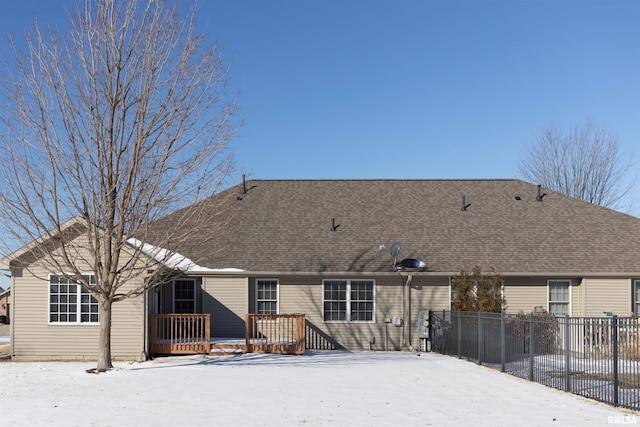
407	313
583	285
145	327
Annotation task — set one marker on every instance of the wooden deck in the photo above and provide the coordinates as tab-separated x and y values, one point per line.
226	346
275	333
190	334
180	334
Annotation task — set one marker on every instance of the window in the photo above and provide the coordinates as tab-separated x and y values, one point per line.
335	300
71	303
636	297
266	296
348	300
559	296
184	296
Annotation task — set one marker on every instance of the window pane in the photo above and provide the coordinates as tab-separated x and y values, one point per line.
184	296
335	300
559	297
267	296
559	291
362	300
559	309
63	300
348	300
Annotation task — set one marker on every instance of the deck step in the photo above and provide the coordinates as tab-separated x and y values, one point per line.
224	349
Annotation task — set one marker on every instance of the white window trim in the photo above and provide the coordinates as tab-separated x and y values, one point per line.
78	303
173	293
277	293
348	320
570	283
636	300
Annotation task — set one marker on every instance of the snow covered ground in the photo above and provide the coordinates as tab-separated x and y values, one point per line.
319	388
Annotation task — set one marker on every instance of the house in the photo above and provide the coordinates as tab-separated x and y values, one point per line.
323	248
4	305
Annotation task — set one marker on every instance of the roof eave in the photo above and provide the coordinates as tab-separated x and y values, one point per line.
257	273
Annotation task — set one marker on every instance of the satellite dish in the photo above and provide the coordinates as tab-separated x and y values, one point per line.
395	249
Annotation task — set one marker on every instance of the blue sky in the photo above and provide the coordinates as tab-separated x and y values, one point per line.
412	88
417	89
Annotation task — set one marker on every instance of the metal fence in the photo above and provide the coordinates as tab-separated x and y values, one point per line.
595	357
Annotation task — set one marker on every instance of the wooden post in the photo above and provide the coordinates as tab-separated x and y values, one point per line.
207	333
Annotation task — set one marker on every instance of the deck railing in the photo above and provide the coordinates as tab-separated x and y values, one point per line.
180	334
275	333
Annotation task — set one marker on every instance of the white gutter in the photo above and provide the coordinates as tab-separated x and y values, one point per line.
554	274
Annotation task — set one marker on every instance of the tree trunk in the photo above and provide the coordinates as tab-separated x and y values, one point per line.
104	345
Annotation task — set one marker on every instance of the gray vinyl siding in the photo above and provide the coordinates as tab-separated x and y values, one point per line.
525	294
577	297
34	338
607	295
430	293
226	299
304	295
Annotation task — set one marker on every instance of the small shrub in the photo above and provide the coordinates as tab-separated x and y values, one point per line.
476	291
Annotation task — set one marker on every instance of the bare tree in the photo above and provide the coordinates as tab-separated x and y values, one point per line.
585	162
115	122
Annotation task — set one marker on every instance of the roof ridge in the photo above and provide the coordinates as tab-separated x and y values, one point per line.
380	179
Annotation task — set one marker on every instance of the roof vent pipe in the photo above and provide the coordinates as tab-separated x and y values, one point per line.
334	226
540	193
464	204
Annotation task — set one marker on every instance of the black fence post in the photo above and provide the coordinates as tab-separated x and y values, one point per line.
430	331
459	335
531	349
567	353
616	380
480	339
503	342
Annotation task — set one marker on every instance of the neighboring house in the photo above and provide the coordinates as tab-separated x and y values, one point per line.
4	305
322	248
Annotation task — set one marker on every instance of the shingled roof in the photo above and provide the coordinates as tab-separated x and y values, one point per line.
349	225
